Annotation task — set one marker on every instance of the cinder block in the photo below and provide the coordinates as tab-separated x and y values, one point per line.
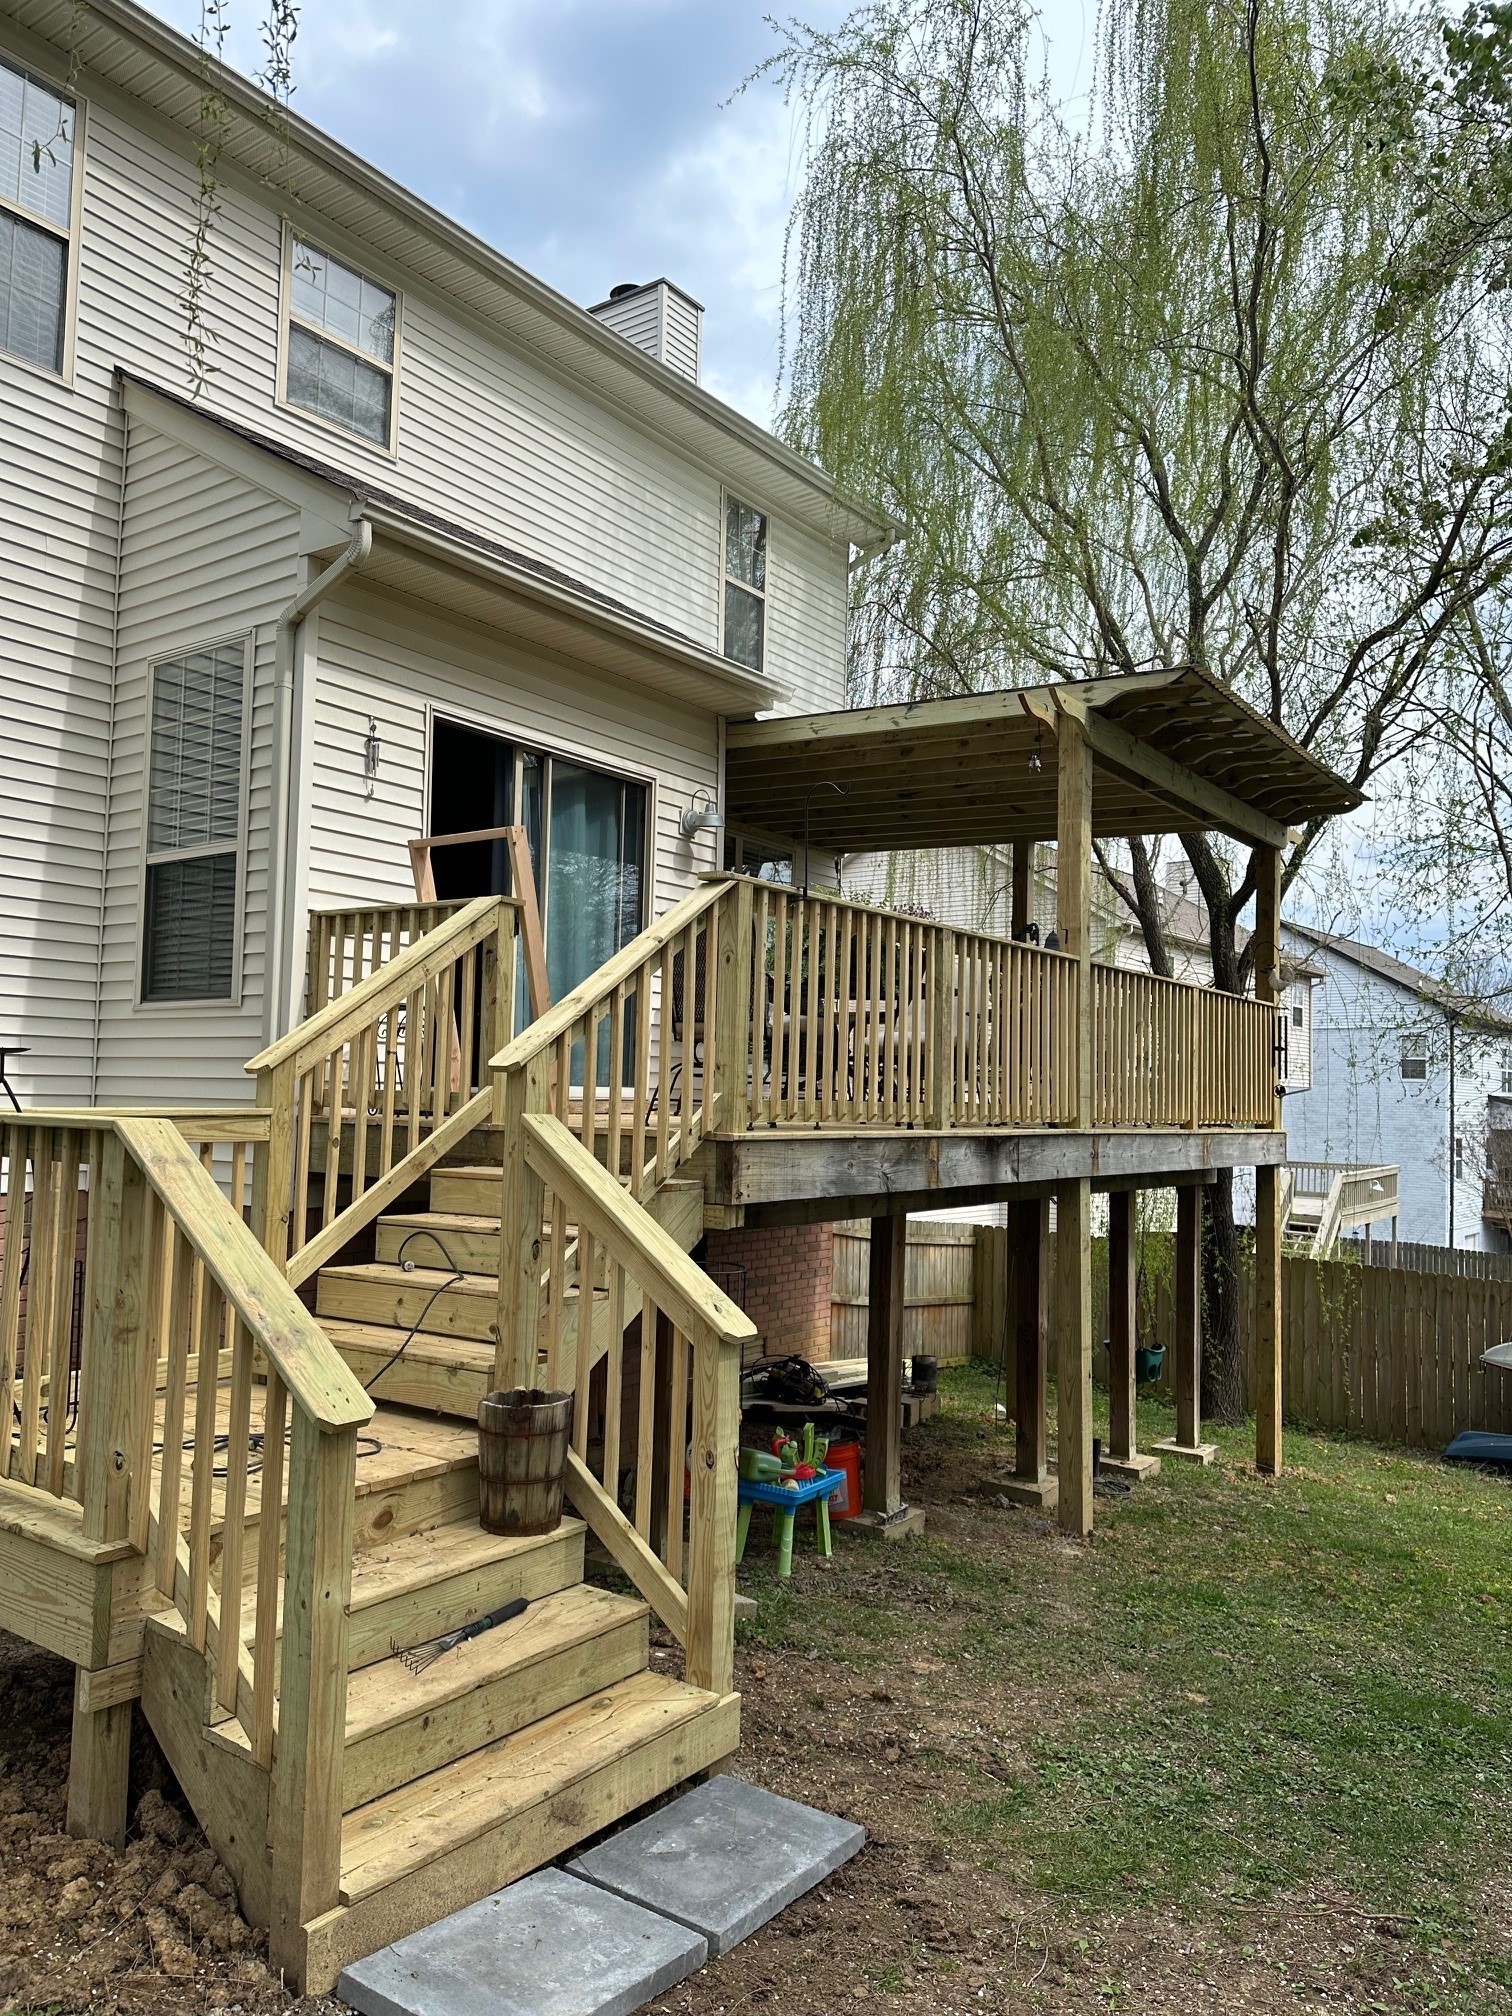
722	1859
548	1946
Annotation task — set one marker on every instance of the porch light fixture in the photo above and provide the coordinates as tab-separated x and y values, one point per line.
705	818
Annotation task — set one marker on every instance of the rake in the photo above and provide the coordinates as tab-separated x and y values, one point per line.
416	1658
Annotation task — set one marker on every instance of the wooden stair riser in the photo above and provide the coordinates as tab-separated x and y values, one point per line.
471	1244
380	1516
367	1295
414	1615
468	1193
440	1375
438	1733
550	1812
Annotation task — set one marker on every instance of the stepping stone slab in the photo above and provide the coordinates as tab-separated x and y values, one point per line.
722	1859
550	1945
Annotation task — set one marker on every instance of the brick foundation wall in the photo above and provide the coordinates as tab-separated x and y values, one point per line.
788	1278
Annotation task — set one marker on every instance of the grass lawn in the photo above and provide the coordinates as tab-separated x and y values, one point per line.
1252	1741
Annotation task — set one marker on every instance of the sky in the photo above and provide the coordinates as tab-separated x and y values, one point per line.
592	141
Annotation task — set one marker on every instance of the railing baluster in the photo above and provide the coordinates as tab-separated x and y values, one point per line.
615	1119
202	1466
182	1304
645	1402
677	1438
39	1285
710	1017
614	1371
18	1143
583	1360
269	1554
233	1533
642	1088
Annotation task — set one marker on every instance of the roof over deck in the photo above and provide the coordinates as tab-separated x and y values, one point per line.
1173	752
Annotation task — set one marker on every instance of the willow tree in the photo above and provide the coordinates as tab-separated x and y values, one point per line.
1145	388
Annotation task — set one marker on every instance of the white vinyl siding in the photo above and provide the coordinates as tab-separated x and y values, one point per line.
205	555
380	657
806	619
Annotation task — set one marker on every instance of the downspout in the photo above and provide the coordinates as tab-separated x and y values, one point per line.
280	813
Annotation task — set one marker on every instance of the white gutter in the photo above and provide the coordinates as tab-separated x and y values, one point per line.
281	812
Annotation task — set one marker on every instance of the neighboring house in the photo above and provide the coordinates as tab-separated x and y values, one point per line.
560	565
1407	1072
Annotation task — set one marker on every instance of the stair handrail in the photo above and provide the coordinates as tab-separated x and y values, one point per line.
1328	1217
395	1053
187	1303
672	1291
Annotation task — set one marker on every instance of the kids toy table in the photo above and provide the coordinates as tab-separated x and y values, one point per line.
784	1500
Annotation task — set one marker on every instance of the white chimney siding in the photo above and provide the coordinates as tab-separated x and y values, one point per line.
659	319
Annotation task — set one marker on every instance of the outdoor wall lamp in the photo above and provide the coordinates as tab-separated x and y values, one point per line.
705	818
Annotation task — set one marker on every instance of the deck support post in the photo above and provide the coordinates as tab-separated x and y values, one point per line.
1073	1355
883	1510
1186	1377
1122	1458
99	1761
1029	1330
1267	951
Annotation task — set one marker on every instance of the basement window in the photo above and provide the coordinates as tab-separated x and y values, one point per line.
37	146
745	557
196	820
342	344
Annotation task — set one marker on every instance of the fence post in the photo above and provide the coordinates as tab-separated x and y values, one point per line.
732	1011
711	1532
304	1817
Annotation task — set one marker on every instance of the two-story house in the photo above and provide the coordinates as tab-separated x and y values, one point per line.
311	1161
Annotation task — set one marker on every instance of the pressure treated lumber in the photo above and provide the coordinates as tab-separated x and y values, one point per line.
1073	1357
882	1486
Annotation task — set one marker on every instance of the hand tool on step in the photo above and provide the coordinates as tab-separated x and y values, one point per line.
418	1657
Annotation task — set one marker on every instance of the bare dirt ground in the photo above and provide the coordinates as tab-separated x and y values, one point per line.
928	1691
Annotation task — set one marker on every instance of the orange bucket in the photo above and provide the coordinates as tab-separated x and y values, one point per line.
845	1457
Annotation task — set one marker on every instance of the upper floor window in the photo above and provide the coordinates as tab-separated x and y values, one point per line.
1414	1061
37	147
342	344
194	825
1506	1075
745	554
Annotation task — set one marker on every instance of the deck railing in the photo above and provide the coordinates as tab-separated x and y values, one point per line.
367	1094
211	1425
347	945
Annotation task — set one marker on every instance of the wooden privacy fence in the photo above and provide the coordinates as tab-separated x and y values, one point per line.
1391	1353
939	1296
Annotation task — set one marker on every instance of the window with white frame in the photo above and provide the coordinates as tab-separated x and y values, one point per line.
37	146
342	343
194	825
1506	1074
1415	1060
745	558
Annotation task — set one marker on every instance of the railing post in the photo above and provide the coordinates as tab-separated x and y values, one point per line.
499	999
711	1544
732	1010
113	1460
522	1204
942	1063
273	1173
304	1815
1073	892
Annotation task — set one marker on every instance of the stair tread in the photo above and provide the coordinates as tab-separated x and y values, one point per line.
442	1221
391	1272
402	1831
386	1694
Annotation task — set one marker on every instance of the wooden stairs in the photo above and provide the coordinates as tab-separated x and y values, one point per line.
509	1749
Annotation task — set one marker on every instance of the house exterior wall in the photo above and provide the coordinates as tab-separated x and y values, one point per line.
1361	1109
787	1284
486	436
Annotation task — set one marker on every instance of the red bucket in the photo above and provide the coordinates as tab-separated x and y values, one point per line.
846	1458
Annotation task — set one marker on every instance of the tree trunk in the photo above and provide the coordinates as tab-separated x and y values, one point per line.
1222	1352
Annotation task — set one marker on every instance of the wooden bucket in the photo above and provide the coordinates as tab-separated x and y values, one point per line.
522	1454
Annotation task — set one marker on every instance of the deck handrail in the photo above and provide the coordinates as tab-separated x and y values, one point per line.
387	1065
317	1376
331	1025
620	967
681	1312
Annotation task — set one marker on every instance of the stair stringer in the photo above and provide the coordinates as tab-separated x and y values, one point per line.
227	1792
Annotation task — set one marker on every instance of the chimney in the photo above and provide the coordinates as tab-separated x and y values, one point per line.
659	319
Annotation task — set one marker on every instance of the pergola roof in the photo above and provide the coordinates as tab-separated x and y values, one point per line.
1173	752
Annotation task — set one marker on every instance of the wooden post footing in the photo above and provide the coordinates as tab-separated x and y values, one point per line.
1205	1453
1135	1469
1041	1492
899	1525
